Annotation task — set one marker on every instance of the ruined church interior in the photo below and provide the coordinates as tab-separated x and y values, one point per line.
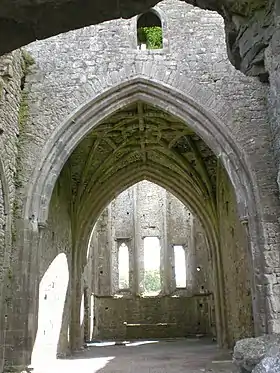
139	186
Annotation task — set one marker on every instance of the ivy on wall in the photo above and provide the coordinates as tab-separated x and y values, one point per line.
151	36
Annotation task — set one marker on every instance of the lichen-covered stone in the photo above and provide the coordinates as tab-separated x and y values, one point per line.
250	351
270	364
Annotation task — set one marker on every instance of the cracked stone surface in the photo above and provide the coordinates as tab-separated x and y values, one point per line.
270	364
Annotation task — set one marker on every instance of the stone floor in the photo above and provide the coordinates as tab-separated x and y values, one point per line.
163	356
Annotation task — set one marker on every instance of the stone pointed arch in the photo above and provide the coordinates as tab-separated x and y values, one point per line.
176	102
208	121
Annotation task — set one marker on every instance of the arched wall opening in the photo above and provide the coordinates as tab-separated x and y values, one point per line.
52	294
146	222
158	156
149	31
234	264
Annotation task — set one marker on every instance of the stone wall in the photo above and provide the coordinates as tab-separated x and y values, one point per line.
193	60
11	72
97	57
2	273
72	69
57	239
147	210
273	66
57	235
236	264
180	317
10	98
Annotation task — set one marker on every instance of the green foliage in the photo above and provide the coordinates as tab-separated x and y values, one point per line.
152	281
23	110
28	61
16	208
152	36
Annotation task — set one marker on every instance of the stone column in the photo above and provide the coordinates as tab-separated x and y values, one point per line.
63	348
190	257
104	256
114	261
272	62
268	292
166	250
22	300
76	298
137	249
87	312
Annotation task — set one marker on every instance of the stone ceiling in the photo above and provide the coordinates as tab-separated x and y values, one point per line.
249	24
140	140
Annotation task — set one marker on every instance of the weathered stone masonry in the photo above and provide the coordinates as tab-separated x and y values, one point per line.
11	72
147	210
81	86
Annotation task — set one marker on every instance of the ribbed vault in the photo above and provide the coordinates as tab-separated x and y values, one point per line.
140	142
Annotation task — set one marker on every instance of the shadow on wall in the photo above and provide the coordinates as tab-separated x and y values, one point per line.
52	292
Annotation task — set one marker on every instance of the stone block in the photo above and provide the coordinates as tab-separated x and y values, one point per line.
249	352
271	363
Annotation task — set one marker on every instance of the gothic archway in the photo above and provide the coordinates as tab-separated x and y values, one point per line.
200	121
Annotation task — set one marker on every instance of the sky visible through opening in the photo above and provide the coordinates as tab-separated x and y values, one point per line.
123	267
180	266
152	283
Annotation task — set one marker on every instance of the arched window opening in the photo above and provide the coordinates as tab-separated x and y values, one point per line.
123	256
149	31
152	280
180	266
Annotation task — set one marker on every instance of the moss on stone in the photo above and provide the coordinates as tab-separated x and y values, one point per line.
13	236
23	110
17	182
27	60
16	208
10	274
